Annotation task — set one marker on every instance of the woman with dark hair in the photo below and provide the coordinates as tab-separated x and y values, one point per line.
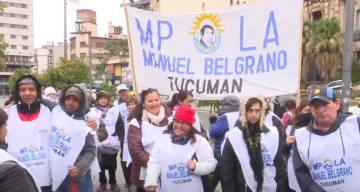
301	118
185	98
290	106
252	157
182	148
148	121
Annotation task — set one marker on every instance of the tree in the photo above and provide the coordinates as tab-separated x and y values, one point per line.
66	72
17	74
117	47
325	47
3	44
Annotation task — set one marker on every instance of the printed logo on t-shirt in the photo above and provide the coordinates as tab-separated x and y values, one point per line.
179	173
331	172
59	141
267	158
32	155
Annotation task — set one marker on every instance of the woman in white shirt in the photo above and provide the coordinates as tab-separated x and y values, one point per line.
180	157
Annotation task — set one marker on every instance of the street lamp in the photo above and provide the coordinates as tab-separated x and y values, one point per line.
79	31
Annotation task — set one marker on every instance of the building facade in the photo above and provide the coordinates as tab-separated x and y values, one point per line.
16	26
79	44
42	60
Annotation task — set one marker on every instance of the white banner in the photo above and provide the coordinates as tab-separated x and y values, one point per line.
245	50
126	75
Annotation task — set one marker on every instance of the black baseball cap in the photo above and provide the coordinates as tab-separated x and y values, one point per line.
325	94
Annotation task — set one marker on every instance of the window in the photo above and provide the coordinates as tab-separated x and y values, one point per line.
12	58
152	9
24	16
12	25
12	4
357	26
25	47
13	36
82	44
82	55
13	46
24	37
203	6
99	45
1	24
12	15
237	2
24	6
316	15
73	56
231	2
24	27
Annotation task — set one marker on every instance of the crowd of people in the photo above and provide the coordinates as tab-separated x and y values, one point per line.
253	145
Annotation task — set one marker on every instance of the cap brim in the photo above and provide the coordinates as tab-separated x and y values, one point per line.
320	97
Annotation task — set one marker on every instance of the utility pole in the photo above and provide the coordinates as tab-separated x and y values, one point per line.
65	24
348	54
65	30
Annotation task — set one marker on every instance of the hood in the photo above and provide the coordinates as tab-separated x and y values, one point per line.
229	104
16	94
84	105
243	118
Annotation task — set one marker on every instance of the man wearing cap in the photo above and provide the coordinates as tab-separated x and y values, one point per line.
28	125
120	105
326	152
72	143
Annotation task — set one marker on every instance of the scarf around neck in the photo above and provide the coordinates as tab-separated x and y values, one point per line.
103	110
156	119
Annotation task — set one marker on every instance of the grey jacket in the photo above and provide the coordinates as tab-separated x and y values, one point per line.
88	152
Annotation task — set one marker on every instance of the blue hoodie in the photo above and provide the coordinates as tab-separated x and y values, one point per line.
227	117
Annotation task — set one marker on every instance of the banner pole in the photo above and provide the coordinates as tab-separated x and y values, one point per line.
130	47
300	58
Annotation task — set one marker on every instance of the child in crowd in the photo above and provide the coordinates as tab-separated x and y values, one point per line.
125	156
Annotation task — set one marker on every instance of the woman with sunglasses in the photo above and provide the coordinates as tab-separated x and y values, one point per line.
148	121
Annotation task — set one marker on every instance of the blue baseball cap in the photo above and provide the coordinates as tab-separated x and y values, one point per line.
325	94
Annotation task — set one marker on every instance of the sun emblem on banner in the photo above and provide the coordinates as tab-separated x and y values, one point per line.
206	32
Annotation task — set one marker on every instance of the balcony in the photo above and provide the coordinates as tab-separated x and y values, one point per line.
357	35
21	63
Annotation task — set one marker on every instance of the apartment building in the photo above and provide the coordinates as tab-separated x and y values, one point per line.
16	26
79	43
56	52
42	60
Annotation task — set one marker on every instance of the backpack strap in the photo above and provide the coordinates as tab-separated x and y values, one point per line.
358	120
292	130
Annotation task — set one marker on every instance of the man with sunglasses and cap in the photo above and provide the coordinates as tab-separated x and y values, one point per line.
326	152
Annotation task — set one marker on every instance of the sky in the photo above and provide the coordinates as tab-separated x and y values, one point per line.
49	18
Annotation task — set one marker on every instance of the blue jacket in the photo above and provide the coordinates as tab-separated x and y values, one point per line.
217	132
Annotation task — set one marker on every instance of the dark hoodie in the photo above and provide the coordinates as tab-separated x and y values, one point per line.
27	112
88	152
302	172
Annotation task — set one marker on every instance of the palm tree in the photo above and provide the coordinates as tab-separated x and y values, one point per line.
305	58
325	47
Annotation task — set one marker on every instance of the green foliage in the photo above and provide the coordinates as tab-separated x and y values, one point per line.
17	74
355	72
213	104
3	44
64	73
117	47
323	41
110	90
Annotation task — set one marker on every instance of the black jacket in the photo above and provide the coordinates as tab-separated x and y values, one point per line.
14	178
232	178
